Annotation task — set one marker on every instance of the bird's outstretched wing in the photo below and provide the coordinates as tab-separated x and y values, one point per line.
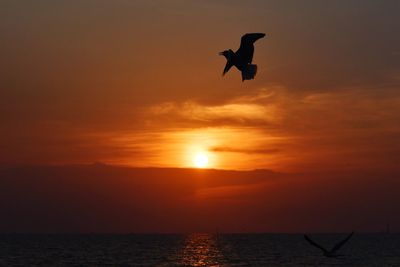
341	243
246	49
315	244
249	38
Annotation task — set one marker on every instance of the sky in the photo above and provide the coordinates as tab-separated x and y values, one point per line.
100	198
139	84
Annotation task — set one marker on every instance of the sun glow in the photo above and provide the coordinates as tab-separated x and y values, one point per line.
200	160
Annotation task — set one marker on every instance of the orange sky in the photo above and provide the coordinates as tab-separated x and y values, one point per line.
139	83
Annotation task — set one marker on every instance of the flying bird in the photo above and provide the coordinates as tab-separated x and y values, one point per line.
243	57
332	252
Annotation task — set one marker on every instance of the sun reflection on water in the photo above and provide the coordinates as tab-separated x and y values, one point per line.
202	250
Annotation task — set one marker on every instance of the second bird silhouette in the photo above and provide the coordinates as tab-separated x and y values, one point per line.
332	252
243	57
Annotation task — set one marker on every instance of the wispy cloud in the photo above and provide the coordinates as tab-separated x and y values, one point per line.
246	109
244	150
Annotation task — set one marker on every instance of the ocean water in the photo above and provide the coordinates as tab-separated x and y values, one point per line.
196	250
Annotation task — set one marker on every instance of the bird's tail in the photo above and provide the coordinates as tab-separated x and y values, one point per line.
249	72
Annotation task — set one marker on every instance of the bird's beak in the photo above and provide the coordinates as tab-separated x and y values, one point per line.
221	53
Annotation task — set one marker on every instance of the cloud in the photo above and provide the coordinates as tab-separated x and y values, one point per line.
195	200
245	151
271	127
236	111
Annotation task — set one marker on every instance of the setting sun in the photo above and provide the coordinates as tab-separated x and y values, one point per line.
201	160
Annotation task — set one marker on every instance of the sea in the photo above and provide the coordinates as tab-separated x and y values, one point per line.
196	250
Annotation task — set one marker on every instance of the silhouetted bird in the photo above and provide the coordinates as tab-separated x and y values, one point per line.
332	252
243	57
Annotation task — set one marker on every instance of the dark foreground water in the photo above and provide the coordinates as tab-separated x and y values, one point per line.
195	250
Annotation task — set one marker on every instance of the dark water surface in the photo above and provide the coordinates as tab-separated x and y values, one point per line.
195	250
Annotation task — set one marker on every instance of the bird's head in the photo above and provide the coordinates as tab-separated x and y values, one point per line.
227	54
